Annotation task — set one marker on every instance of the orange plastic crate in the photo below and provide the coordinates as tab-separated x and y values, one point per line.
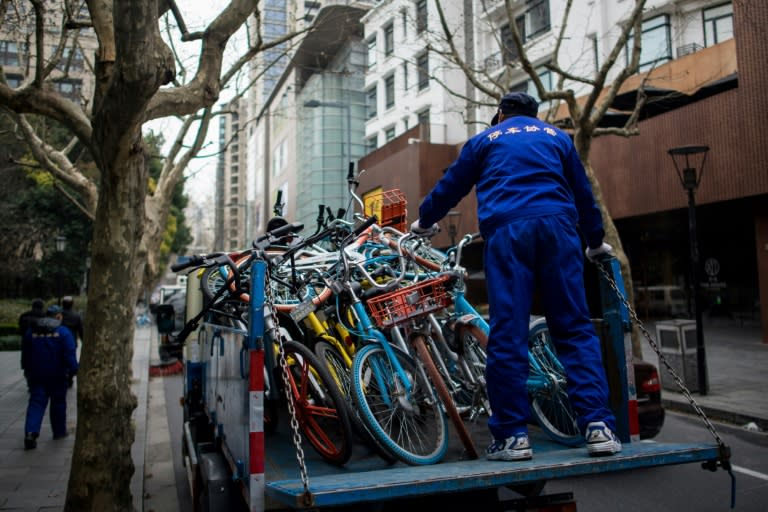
409	302
390	205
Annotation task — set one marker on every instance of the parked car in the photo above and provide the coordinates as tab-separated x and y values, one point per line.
650	411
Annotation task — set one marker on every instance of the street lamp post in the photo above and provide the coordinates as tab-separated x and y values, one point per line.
685	158
347	153
61	244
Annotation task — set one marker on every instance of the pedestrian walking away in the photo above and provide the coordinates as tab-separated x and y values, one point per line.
71	319
534	205
28	318
49	361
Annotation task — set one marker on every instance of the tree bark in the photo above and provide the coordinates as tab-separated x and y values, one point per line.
101	471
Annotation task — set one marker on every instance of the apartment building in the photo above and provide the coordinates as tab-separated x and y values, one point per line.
72	74
701	67
233	218
407	85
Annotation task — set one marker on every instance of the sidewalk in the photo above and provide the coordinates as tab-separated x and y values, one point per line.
736	366
36	480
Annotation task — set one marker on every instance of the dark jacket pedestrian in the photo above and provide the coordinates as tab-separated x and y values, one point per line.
533	203
71	319
49	361
28	318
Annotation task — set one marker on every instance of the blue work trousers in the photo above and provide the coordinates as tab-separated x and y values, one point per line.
544	253
41	390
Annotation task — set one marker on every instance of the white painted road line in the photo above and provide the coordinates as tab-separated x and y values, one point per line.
749	472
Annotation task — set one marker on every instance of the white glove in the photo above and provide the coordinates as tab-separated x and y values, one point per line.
604	248
417	230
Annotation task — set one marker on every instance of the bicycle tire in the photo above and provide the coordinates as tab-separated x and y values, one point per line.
415	430
470	342
551	408
341	374
211	279
320	406
418	343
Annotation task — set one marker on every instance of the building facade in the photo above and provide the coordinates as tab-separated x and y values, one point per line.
232	210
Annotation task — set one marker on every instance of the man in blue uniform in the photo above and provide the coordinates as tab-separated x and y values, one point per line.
49	360
533	198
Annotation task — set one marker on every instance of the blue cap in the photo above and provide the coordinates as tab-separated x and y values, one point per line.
53	310
517	104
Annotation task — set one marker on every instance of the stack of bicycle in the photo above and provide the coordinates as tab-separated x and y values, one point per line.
369	336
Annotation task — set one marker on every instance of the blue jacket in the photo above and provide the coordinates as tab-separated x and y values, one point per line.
522	167
48	350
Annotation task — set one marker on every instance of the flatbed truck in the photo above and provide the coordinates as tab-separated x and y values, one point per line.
231	464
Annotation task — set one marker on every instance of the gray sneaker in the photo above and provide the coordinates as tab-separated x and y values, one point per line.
512	448
601	440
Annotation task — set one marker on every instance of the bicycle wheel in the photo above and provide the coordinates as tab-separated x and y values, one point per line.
341	374
550	405
213	279
320	408
470	341
411	427
441	389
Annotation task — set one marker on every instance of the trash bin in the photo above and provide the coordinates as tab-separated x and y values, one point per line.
677	341
165	318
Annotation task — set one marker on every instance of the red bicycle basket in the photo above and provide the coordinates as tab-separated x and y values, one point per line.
409	302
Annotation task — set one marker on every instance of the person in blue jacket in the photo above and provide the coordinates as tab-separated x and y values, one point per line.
534	203
49	361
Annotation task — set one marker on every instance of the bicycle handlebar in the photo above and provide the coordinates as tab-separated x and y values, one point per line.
370	221
193	261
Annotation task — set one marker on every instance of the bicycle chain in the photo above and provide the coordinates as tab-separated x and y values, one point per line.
685	391
307	497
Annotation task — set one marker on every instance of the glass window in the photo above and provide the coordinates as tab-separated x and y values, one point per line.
371	52
405	76
389	91
422	64
389	39
279	157
371	143
421	16
509	50
718	24
529	87
656	43
71	60
9	53
371	99
422	118
389	134
536	17
14	81
69	88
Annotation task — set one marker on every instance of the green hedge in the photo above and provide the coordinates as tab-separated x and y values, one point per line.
10	342
7	329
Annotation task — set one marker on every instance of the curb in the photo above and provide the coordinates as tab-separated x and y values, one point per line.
734	418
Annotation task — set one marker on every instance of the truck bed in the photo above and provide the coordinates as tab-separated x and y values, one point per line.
366	478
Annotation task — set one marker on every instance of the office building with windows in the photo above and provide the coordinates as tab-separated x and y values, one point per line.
71	76
702	74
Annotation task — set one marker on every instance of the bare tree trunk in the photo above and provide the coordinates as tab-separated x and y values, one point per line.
612	238
104	400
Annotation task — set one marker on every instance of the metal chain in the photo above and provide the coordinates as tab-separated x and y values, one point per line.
680	384
288	393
